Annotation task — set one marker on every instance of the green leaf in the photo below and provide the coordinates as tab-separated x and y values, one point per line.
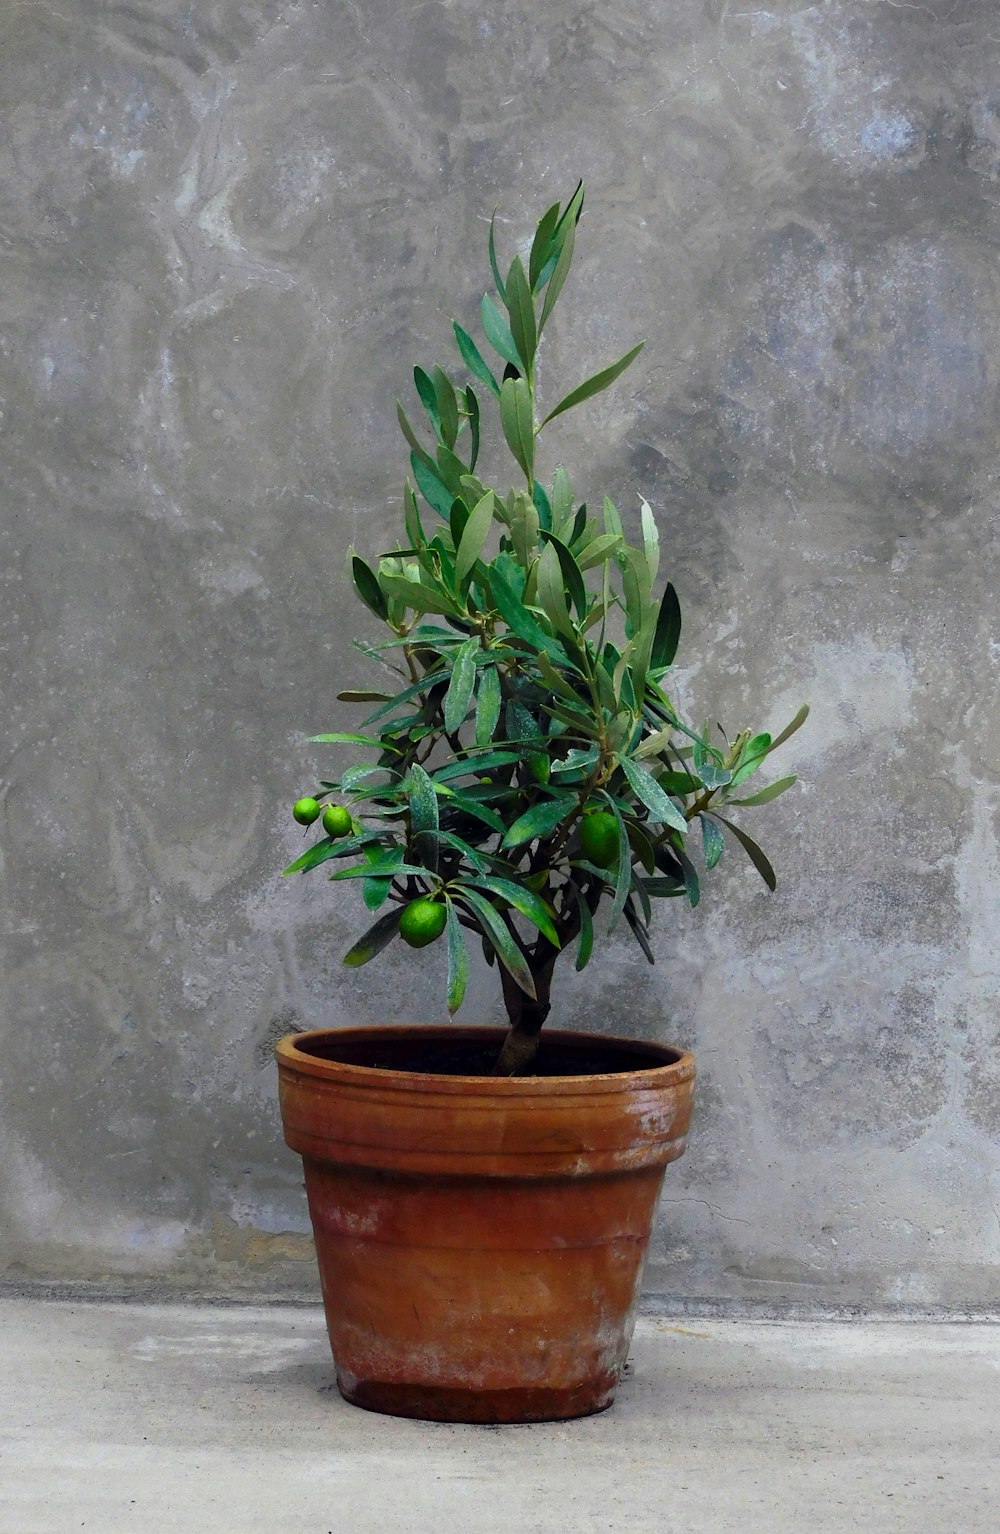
646	788
346	737
375	892
433	489
577	761
594	384
559	275
542	506
375	939
422	599
586	945
368	588
518	422
487	705
530	905
388	866
668	631
756	854
708	769
562	500
692	886
623	868
411	517
598	551
552	591
712	841
639	931
769	792
650	539
495	928
321	852
447	405
540	820
494	268
428	398
473	358
572	578
362	695
541	242
451	471
475	762
663	889
411	436
522	314
458	960
423	813
474	537
498	334
519	620
461	687
472	411
796	724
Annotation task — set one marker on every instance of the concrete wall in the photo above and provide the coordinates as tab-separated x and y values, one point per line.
228	231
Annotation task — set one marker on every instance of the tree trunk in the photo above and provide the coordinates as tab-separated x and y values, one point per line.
526	1017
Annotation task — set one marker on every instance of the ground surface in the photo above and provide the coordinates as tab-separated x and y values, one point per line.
197	1418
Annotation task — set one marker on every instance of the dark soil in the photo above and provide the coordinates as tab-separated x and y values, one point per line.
476	1057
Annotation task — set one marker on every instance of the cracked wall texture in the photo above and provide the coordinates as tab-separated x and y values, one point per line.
229	230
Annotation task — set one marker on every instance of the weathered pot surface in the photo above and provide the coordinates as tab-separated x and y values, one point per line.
481	1239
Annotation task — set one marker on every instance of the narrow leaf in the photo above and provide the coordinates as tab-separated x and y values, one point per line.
796	724
668	631
472	411
518	423
623	869
368	588
474	537
559	275
505	946
639	931
458	960
487	705
552	591
594	384
646	788
650	539
423	813
431	487
522	314
571	575
756	854
540	820
712	841
769	792
493	261
586	944
447	405
460	688
473	358
541	242
498	334
524	900
375	939
346	737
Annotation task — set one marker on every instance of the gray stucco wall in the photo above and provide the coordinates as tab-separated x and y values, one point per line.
228	231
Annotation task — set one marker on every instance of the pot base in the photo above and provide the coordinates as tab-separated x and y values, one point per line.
433	1404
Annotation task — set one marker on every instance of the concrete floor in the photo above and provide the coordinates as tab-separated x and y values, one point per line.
197	1418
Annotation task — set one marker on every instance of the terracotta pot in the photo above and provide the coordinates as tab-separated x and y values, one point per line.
481	1240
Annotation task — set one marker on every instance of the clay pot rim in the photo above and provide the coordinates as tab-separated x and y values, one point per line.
292	1055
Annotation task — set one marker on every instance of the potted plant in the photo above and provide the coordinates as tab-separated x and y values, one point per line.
481	1198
